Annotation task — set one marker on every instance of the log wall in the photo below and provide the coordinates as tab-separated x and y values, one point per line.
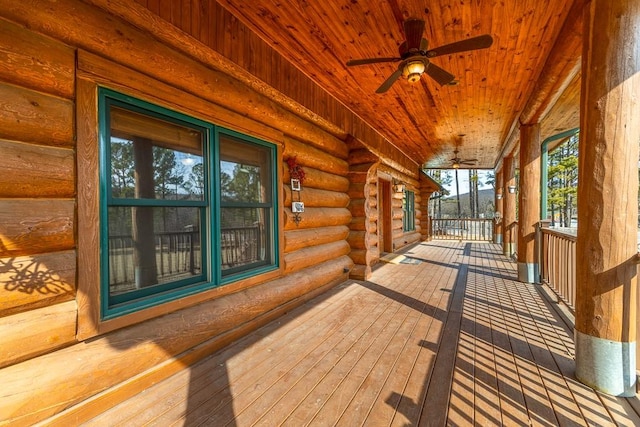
365	171
47	132
37	190
363	193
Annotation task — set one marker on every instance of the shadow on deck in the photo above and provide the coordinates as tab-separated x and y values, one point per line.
446	337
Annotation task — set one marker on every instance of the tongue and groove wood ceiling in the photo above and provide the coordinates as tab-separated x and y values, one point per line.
426	120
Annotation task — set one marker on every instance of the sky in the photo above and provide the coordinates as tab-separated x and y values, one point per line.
463	177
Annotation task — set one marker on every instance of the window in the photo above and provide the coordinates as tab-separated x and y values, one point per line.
408	210
186	205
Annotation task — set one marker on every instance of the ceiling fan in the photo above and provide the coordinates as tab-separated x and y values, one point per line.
415	58
456	162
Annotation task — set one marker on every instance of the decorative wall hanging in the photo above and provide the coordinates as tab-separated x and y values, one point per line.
297	178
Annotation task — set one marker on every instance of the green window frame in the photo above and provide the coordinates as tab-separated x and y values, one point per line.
185	205
408	211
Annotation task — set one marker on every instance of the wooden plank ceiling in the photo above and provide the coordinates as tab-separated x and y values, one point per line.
423	119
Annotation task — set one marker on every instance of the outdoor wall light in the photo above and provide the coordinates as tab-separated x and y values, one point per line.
413	70
499	196
398	188
512	189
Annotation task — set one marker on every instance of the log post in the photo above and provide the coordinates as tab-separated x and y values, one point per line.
509	206
606	246
529	202
498	233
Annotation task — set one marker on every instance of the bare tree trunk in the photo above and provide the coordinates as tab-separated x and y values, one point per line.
142	227
458	193
471	205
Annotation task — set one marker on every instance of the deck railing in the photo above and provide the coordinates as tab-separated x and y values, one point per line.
558	264
462	229
179	253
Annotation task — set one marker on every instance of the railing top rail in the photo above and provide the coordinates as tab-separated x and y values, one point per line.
563	234
462	219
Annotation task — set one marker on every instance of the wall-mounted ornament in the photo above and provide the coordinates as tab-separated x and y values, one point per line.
297	177
295	170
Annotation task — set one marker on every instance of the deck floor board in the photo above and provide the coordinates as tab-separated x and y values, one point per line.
446	337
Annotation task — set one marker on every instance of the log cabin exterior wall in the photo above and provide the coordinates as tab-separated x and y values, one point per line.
48	143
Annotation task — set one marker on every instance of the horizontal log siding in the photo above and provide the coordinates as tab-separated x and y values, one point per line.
323	192
38	214
37	280
363	237
37	189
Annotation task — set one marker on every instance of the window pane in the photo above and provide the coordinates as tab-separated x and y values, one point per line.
244	237
245	171
151	246
155	159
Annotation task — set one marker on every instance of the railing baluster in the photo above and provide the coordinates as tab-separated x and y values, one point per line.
473	229
559	264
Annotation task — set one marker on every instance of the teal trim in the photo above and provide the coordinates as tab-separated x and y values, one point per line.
116	305
117	310
211	274
272	260
544	173
104	118
408	207
246	205
160	203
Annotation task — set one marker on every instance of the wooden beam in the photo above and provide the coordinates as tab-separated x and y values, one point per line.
529	202
389	155
509	204
499	224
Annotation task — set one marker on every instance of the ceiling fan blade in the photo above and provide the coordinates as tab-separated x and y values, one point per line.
413	29
473	43
391	80
468	161
439	75
366	61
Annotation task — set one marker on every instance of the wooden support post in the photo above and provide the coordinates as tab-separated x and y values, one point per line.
606	246
498	233
509	206
529	203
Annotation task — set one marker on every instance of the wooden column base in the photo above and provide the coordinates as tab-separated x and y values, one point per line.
528	272
508	248
594	368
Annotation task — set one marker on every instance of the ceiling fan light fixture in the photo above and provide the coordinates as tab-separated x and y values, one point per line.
413	70
456	165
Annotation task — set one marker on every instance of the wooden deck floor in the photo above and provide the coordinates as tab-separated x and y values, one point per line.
445	337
